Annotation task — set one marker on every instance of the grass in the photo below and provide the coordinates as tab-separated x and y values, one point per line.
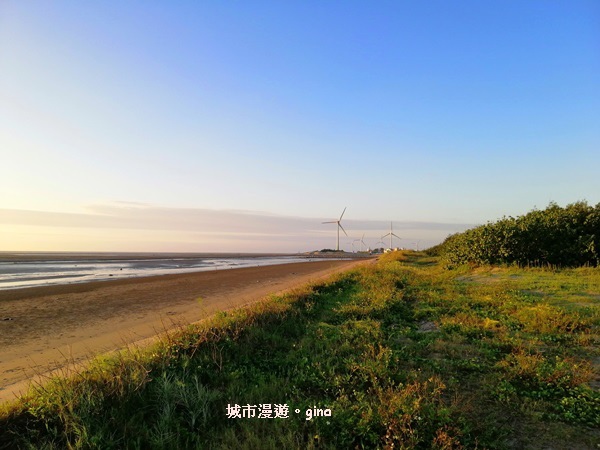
402	354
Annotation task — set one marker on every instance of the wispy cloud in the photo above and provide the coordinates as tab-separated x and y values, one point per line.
408	225
206	224
141	216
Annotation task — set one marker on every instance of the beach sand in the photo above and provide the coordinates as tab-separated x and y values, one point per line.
44	329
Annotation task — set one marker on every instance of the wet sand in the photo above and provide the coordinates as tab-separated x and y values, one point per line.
46	328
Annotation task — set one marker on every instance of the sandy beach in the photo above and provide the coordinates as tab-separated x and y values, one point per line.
46	328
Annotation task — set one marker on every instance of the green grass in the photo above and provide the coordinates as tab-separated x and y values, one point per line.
403	353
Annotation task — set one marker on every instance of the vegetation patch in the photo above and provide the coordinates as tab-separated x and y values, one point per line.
553	237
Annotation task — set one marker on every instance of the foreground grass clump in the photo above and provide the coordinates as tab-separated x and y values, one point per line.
397	354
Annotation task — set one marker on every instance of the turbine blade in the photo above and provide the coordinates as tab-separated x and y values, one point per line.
334	221
340	225
396	236
343	212
385	235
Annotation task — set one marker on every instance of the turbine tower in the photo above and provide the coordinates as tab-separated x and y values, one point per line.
391	235
339	225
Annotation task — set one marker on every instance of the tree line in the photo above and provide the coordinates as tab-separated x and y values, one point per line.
555	236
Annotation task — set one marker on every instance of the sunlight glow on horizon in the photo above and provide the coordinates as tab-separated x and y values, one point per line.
146	228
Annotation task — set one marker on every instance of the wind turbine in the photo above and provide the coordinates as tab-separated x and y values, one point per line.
391	235
339	225
362	243
355	240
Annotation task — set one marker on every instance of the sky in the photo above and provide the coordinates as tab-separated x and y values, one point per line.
242	126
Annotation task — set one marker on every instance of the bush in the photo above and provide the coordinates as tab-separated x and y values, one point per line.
556	236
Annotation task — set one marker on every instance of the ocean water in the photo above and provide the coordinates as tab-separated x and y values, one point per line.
45	272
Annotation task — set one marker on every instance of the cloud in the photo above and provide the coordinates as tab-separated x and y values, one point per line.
144	217
212	226
127	215
407	225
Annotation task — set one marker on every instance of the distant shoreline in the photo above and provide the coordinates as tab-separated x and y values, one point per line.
102	256
22	271
106	256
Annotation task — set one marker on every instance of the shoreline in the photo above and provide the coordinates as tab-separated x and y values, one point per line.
11	256
62	268
86	256
56	326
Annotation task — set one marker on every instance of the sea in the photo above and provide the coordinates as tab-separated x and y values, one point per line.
27	269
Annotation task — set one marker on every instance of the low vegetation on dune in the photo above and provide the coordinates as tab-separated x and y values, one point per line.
401	353
553	237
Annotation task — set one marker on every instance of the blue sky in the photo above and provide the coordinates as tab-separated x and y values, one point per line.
226	126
